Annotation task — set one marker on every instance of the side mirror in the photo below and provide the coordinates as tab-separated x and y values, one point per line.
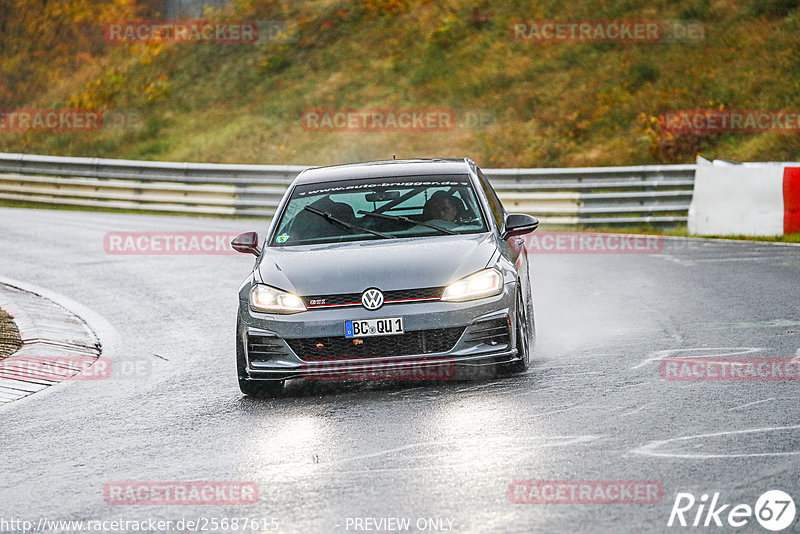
519	224
246	243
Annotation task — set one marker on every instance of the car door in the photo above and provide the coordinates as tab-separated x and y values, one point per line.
515	244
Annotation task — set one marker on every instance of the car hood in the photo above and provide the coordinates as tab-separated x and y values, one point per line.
388	264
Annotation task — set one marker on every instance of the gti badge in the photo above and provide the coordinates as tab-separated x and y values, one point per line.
372	299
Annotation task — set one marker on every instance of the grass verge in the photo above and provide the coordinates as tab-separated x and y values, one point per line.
10	342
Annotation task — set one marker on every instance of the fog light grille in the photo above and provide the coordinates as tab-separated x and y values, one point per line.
492	332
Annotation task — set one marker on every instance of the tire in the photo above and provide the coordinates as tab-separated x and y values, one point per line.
255	388
523	337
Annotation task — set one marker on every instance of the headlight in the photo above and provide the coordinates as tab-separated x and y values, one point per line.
485	283
268	299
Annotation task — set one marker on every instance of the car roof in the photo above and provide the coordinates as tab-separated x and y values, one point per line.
381	169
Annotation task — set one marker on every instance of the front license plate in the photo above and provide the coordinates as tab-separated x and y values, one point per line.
373	327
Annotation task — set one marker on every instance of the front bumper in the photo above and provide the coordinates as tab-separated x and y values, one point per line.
475	331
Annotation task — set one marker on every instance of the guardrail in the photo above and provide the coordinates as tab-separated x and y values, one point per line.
658	194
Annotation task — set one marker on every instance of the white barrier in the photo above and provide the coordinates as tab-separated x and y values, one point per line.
756	199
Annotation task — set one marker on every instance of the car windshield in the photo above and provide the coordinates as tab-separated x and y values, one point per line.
379	208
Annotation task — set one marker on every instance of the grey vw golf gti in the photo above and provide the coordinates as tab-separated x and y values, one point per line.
385	269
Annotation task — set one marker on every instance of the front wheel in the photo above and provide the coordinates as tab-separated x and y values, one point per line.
522	337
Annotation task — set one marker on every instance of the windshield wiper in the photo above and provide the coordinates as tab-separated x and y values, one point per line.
406	219
335	220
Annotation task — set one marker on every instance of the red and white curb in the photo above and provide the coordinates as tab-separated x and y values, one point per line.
791	200
51	326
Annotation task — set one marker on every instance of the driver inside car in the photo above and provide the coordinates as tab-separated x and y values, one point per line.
442	207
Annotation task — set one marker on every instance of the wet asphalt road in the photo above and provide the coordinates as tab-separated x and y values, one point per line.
592	407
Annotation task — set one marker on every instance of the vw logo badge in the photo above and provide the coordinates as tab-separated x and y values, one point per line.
372	299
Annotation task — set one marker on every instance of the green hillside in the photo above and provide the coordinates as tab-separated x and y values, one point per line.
515	103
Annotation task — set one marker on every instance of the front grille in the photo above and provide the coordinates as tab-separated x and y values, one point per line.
264	348
492	332
389	297
410	343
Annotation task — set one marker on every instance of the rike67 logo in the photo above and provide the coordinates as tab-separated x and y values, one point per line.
774	510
